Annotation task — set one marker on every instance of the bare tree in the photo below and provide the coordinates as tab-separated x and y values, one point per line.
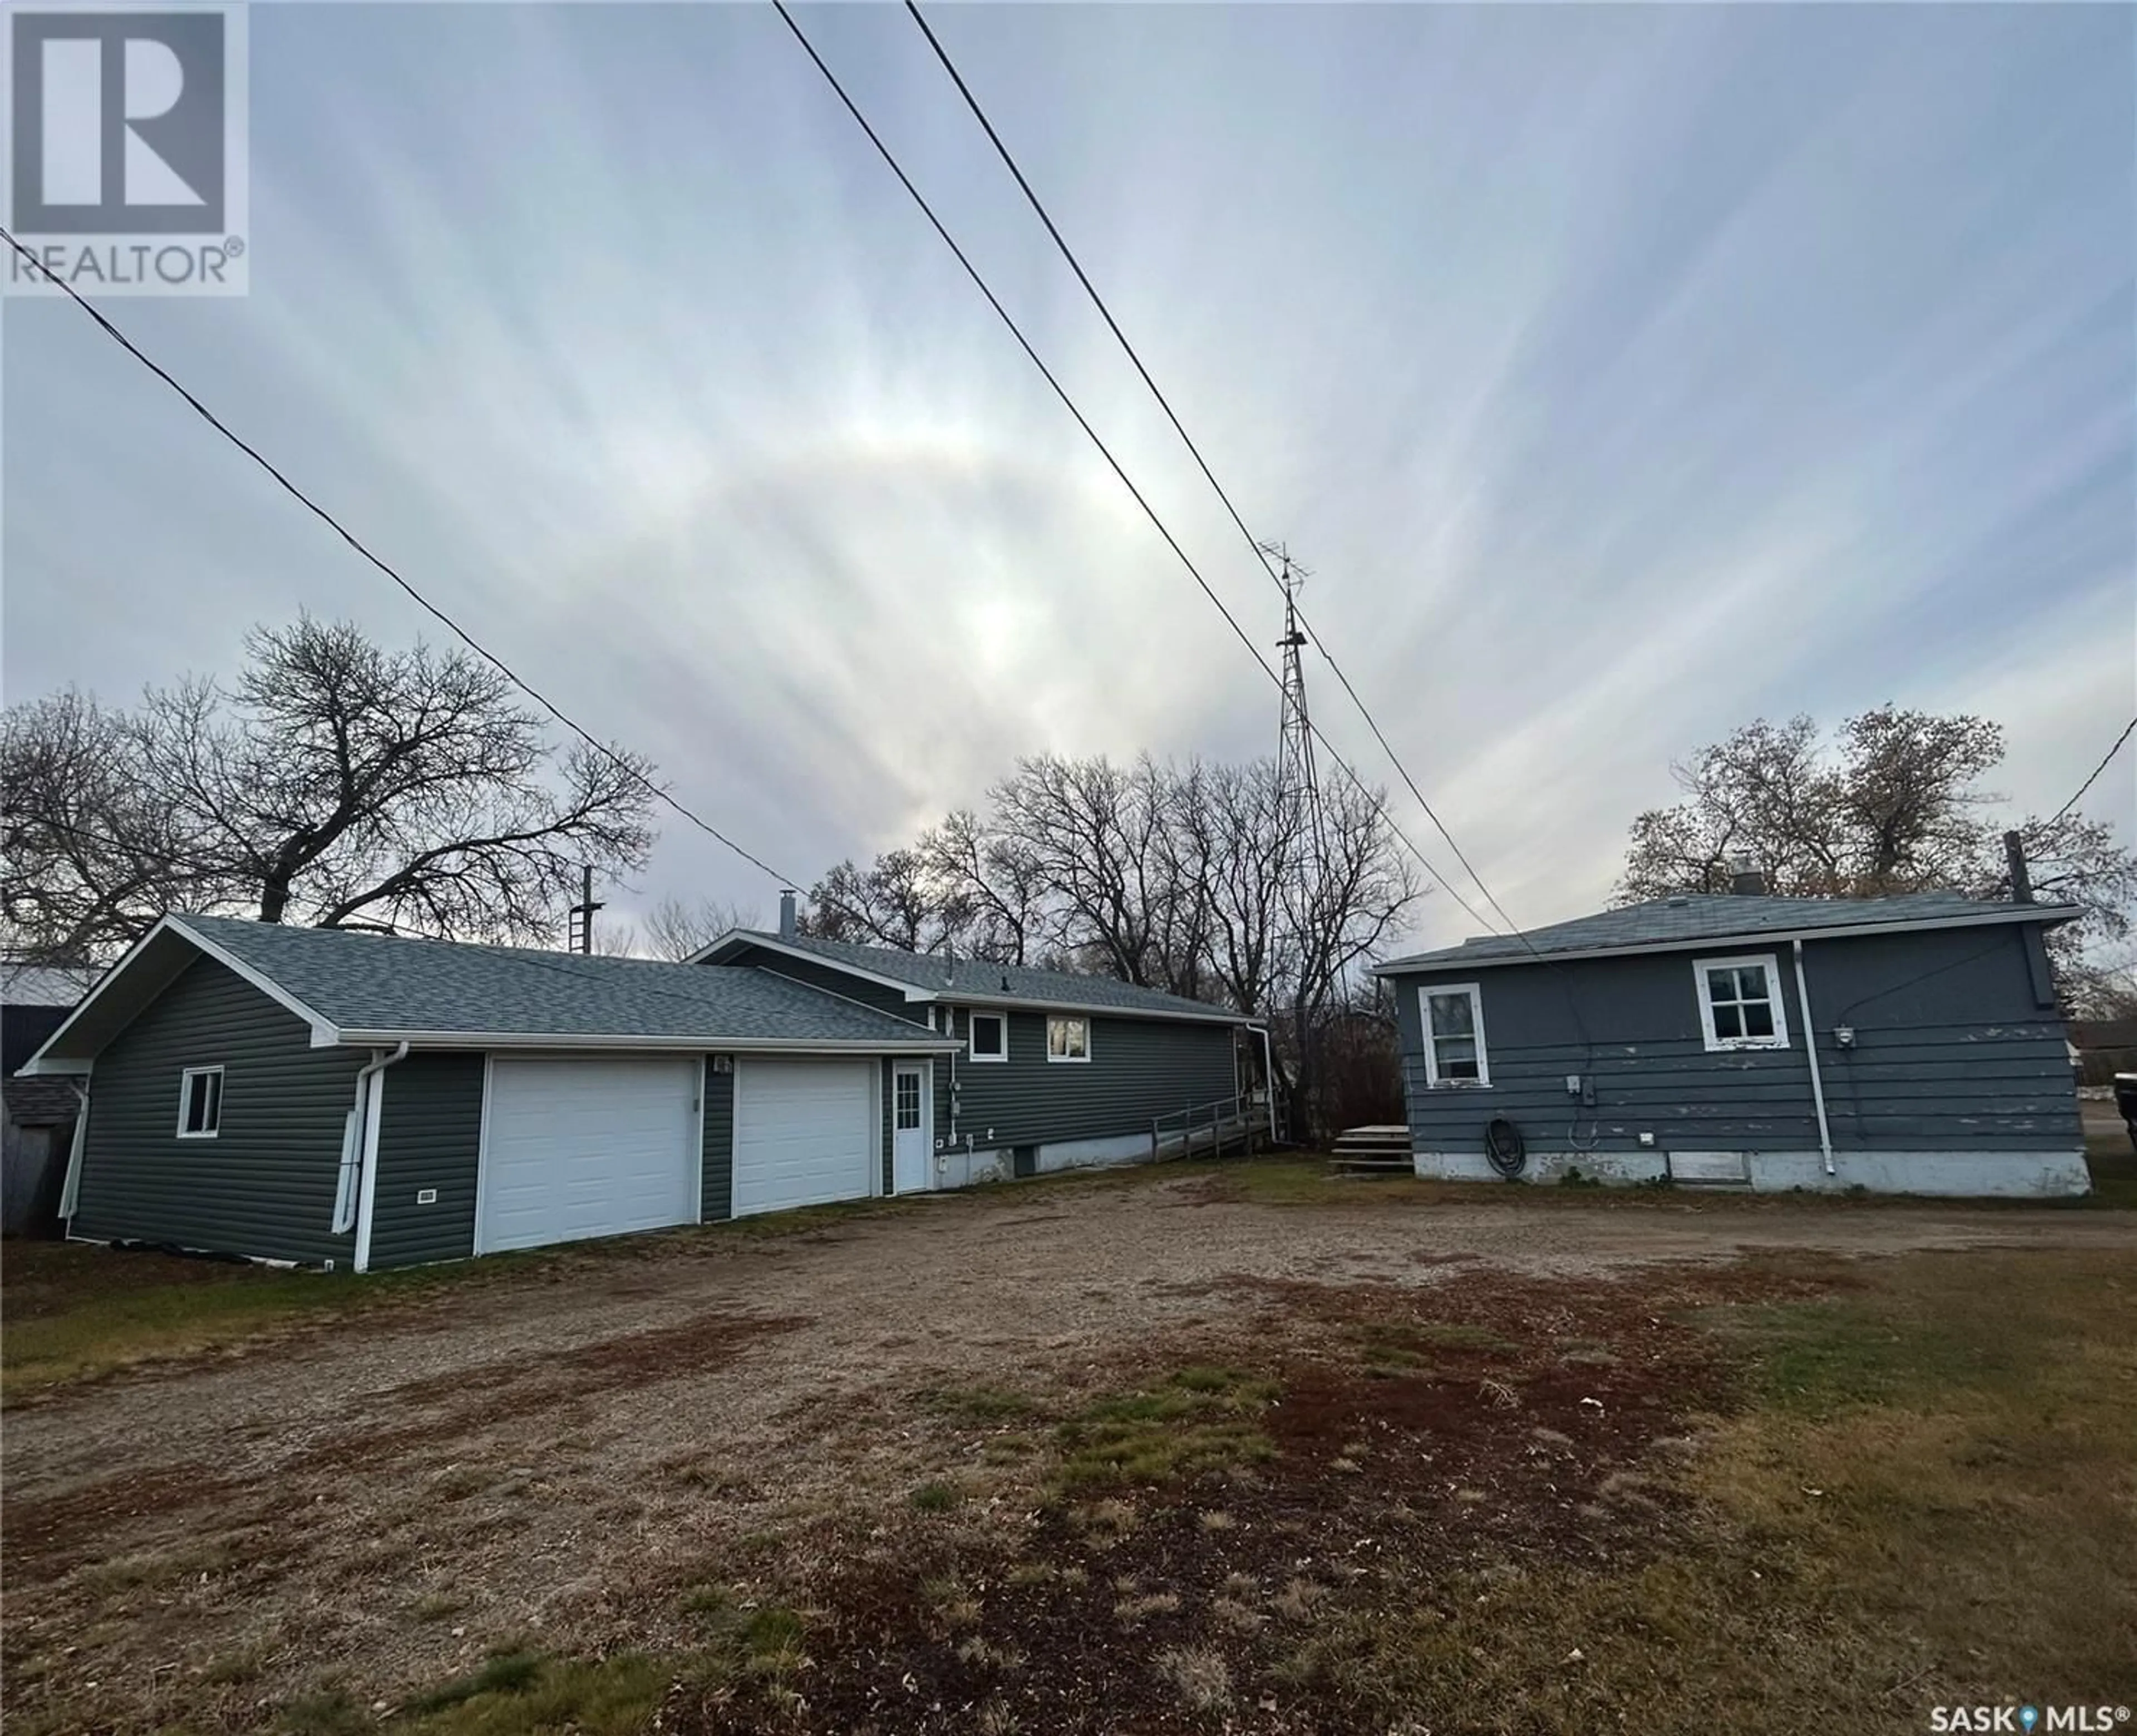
1208	880
1348	895
92	858
892	902
1894	805
998	883
1090	830
340	784
674	929
1254	842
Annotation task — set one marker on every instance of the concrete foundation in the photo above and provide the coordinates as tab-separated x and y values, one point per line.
2014	1174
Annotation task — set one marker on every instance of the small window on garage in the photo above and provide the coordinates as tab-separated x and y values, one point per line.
1740	1003
200	1102
908	1101
990	1037
1068	1038
1454	1035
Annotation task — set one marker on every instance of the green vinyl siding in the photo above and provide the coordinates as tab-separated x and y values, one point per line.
1139	1068
717	1179
832	979
265	1186
886	1095
429	1134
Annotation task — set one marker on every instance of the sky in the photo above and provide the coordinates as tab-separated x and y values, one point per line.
1623	374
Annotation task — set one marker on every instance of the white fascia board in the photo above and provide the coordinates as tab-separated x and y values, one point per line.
322	1031
38	1067
984	999
553	1040
1752	937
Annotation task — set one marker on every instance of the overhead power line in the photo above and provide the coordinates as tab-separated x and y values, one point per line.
2127	729
431	609
1260	554
1105	451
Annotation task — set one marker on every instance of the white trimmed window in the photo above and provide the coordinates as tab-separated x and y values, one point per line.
200	1102
1068	1037
1454	1035
988	1037
1739	1002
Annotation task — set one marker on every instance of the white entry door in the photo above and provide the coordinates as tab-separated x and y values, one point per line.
592	1147
805	1133
912	1166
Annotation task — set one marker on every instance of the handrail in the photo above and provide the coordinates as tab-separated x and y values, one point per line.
1222	1119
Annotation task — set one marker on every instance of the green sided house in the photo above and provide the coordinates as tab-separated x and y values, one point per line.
337	1098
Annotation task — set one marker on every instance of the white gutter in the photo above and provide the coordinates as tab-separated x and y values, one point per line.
1810	1049
700	1045
70	1189
363	1133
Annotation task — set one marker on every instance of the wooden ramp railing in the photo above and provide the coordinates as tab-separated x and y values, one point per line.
1210	1129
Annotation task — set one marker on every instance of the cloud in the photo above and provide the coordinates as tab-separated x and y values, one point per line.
1624	374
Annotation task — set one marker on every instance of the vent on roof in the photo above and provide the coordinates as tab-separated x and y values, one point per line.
1678	902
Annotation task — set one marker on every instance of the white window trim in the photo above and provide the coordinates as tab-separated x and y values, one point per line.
186	1078
1082	1018
973	1054
1475	991
1772	965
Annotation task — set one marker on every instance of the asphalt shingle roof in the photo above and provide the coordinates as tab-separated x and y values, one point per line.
369	982
977	978
1722	916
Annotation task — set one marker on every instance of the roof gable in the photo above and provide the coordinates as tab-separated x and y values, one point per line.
938	976
1692	919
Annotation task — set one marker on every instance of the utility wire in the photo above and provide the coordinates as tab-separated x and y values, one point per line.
2127	729
1105	452
1260	554
335	525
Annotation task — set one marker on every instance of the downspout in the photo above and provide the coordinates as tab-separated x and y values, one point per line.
1810	1049
70	1189
1268	1081
360	1155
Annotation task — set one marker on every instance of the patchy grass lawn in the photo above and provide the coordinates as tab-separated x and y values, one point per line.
74	1312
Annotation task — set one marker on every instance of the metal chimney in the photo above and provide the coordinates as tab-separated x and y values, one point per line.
1746	879
2021	879
788	927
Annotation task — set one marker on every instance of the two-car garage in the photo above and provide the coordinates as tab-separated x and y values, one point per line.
586	1145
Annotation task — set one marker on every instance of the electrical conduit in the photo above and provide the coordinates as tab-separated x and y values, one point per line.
1810	1049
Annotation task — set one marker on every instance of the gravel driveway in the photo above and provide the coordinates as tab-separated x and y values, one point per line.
527	1453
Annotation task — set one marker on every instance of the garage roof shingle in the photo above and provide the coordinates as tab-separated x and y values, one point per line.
371	983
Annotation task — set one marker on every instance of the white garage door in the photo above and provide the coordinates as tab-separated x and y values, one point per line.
805	1133
587	1148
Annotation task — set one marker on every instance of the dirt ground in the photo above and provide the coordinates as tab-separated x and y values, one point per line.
560	1456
